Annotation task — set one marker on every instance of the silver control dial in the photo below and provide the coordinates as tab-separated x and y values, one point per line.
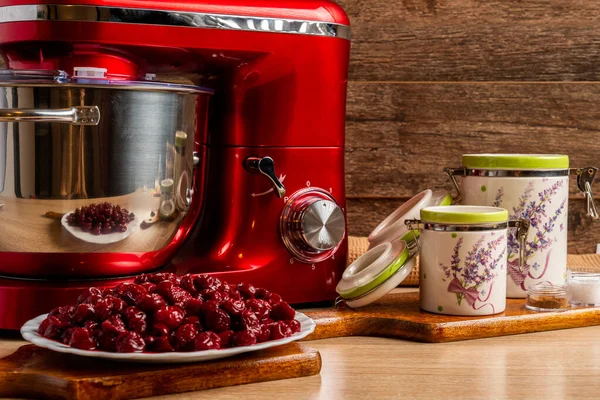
312	225
323	225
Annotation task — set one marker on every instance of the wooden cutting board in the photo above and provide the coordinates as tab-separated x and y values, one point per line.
34	372
397	315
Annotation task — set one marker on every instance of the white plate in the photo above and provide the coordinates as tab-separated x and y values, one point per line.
100	239
29	333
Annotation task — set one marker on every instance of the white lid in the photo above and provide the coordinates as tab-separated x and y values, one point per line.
374	269
89	72
393	226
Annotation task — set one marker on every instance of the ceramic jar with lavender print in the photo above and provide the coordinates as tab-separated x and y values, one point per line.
463	262
533	187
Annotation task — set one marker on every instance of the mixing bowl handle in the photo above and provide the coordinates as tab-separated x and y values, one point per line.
83	115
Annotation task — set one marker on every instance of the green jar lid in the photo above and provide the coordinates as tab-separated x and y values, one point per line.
373	268
464	215
515	161
180	138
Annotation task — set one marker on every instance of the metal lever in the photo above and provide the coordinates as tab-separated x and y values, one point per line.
83	115
265	166
585	178
522	226
453	173
414	225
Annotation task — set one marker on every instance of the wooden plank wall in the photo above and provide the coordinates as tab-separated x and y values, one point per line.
433	79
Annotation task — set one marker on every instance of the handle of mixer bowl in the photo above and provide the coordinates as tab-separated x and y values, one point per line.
82	115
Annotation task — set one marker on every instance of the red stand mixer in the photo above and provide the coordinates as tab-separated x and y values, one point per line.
240	174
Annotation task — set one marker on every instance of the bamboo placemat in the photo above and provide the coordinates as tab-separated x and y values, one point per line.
578	262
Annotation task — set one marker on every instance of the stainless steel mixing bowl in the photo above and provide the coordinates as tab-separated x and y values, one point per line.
66	143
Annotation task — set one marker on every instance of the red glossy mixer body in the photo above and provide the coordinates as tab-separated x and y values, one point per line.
279	95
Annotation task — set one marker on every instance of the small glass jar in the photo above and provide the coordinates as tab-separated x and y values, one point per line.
584	288
547	297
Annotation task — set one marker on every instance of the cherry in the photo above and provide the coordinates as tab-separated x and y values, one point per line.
280	330
80	339
130	342
185	335
164	276
226	338
244	338
294	325
206	282
107	341
260	307
110	304
265	334
248	321
93	327
282	312
52	327
274	298
178	295
210	305
159	344
233	307
246	290
132	292
207	341
151	302
143	278
192	320
224	296
149	286
171	292
262	294
216	320
211	295
187	283
82	313
89	292
192	307
114	324
235	295
170	316
94	299
65	310
136	319
160	330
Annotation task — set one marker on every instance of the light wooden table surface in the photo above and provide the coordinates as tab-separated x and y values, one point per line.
547	365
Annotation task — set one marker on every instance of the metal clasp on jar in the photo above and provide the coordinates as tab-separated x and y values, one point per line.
585	178
453	173
522	226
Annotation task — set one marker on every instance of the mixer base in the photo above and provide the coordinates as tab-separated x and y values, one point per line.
22	300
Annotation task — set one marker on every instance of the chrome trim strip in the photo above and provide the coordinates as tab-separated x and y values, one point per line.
87	13
464	228
501	173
